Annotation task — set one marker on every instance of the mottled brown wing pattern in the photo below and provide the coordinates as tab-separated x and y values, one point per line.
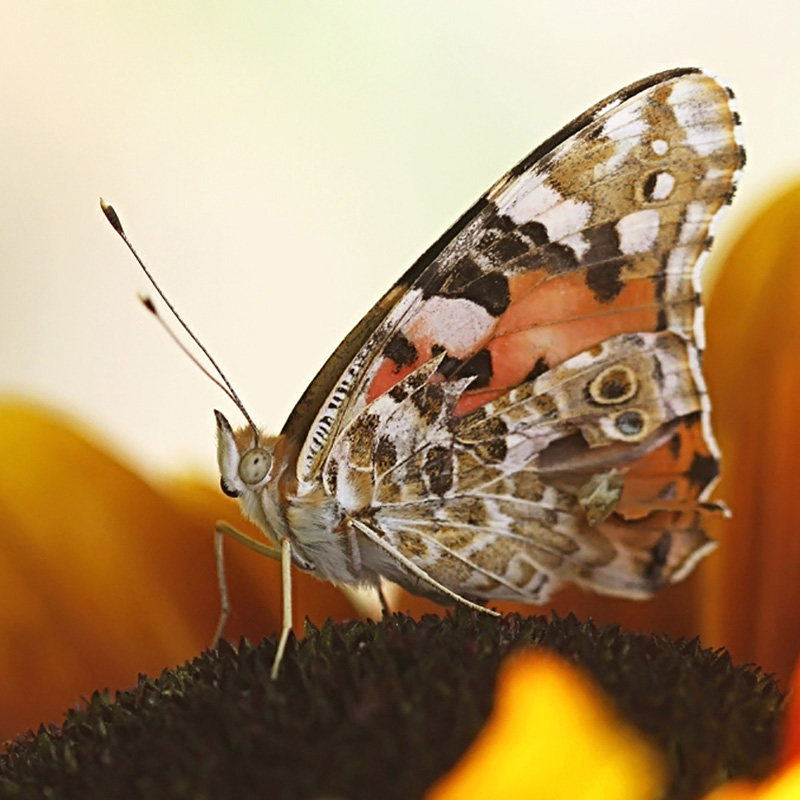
529	407
505	502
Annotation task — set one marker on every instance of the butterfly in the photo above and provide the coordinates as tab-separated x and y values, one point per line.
525	406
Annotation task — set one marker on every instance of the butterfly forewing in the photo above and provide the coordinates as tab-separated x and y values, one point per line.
526	405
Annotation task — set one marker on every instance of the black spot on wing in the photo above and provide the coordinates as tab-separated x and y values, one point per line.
605	262
554	258
650	185
507	249
490	291
449	364
492	451
539	368
400	350
659	553
485	436
593	132
660	287
660	278
450	282
398	392
385	456
658	373
536	232
703	470
467	281
499	222
478	366
429	401
438	469
603	243
604	281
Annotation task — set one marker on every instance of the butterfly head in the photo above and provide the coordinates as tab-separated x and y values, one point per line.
248	467
245	463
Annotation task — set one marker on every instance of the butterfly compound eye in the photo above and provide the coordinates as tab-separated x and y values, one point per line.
255	465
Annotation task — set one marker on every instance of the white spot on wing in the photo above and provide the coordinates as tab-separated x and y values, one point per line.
706	128
578	243
690	98
664	185
625	128
627	123
608	107
695	220
638	231
659	146
706	139
568	217
454	323
530	203
700	328
563	219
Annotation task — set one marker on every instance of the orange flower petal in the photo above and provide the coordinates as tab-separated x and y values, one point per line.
753	368
791	723
553	735
784	786
105	576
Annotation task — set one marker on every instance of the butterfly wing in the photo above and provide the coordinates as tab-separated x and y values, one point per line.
527	404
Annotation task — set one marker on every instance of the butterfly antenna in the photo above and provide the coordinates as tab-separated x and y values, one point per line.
151	307
226	387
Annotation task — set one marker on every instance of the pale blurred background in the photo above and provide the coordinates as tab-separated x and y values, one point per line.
280	164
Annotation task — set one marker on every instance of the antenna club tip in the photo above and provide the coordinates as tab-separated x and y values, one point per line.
148	303
111	216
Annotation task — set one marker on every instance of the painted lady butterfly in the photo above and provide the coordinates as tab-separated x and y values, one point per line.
525	406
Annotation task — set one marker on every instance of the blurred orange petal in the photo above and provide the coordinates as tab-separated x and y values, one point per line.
784	786
753	368
106	575
552	734
791	722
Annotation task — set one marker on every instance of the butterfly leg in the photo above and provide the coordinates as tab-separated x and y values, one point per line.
385	607
221	530
286	587
418	571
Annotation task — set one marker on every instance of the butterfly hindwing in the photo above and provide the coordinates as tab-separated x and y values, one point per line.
507	497
526	405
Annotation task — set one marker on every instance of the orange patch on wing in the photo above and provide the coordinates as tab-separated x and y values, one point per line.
390	374
661	478
551	319
470	401
556	319
537	302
